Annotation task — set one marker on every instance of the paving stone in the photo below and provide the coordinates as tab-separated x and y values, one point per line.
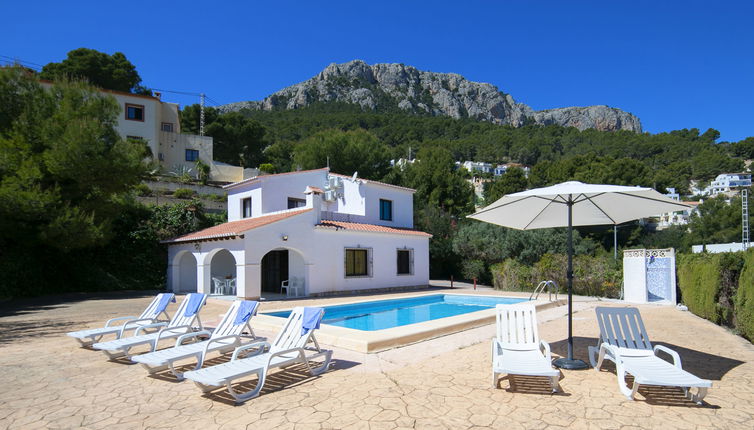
442	383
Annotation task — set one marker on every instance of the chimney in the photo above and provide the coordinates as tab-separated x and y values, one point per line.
314	201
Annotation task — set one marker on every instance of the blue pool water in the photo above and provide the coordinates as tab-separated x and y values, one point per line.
382	314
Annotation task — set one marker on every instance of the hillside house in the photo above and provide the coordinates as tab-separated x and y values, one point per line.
725	183
305	233
156	123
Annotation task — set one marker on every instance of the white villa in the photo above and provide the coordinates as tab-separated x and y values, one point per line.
311	232
157	123
725	183
502	168
677	217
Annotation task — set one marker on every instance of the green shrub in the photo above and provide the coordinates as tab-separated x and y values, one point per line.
143	190
593	275
202	171
267	168
598	276
744	298
214	197
184	193
475	269
707	283
510	275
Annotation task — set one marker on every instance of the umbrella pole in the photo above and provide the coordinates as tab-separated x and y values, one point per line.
570	363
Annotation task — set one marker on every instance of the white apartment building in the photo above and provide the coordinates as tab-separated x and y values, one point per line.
316	230
477	166
677	217
725	183
500	169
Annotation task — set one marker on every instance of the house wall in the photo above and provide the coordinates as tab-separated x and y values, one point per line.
147	129
270	193
317	255
234	202
328	266
359	201
403	205
323	255
277	189
173	146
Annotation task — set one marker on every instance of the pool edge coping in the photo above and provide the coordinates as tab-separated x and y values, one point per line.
394	337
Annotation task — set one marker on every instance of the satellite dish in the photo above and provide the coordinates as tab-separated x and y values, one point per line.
353	178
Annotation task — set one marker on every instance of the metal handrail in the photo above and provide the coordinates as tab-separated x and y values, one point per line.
550	285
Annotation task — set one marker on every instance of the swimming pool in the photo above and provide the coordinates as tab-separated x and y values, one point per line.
383	314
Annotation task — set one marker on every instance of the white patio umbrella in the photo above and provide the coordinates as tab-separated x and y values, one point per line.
575	204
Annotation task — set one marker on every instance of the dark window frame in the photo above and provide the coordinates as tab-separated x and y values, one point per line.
409	263
193	152
352	267
245	206
389	204
163	124
143	112
299	203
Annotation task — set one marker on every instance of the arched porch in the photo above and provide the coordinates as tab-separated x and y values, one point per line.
184	270
283	264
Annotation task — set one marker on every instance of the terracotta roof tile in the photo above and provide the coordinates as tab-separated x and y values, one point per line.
234	228
355	226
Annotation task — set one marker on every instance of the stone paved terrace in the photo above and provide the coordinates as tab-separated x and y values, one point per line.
49	382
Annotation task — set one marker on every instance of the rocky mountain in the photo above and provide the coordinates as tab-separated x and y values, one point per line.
386	87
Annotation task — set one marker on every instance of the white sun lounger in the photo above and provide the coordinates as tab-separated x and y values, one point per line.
226	337
624	340
517	349
180	324
289	348
150	315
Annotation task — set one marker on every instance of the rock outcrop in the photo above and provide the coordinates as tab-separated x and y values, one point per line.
385	87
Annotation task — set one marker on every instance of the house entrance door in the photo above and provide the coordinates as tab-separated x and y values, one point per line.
274	270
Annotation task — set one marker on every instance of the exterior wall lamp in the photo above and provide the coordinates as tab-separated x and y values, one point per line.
284	237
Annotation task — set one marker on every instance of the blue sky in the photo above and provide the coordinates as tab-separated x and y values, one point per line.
674	64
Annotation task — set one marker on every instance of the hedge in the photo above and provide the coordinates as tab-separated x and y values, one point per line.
708	283
744	301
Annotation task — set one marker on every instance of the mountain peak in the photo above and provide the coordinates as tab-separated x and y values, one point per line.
395	86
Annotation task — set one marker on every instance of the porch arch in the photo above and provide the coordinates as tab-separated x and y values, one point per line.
283	264
184	278
221	265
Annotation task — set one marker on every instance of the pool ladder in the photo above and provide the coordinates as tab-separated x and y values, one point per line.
550	285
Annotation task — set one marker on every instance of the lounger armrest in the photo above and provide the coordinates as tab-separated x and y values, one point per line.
674	355
497	347
153	325
545	347
612	349
181	338
263	346
209	343
133	323
165	329
300	351
112	320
